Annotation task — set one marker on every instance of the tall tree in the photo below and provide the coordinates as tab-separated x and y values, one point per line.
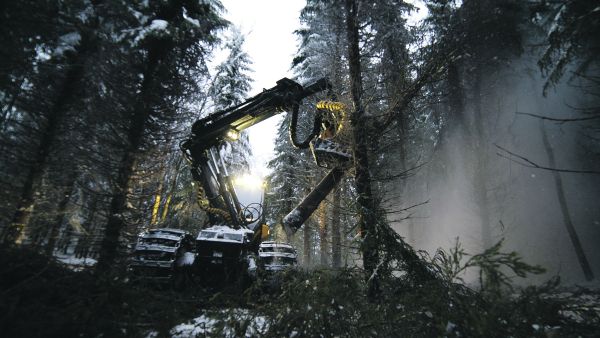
323	222
571	38
366	204
290	178
230	87
483	45
171	44
72	54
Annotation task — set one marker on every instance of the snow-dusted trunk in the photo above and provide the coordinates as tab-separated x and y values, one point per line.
359	122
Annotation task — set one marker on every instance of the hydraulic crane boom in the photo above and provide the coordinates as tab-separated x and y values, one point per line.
216	192
285	96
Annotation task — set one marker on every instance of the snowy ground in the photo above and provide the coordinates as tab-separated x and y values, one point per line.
231	323
584	307
73	262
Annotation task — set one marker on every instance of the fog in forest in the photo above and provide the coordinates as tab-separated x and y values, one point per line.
519	204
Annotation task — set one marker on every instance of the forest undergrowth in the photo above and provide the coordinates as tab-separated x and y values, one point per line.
41	297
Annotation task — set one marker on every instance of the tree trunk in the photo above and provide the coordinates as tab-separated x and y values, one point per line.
307	244
65	197
456	105
336	245
562	200
171	191
156	204
481	159
118	205
84	239
366	212
324	241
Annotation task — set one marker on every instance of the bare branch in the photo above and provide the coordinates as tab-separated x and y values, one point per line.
530	164
403	174
561	120
407	208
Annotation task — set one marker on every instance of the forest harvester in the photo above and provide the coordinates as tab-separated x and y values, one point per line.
228	245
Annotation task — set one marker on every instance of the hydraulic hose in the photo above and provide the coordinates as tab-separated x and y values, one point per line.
293	129
314	88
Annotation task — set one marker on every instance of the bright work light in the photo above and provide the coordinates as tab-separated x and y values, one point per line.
249	181
232	135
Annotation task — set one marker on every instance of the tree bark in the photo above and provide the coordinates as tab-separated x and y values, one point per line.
564	208
365	201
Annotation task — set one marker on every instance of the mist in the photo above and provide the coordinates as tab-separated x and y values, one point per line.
480	188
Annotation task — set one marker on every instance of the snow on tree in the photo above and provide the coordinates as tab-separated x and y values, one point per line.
230	87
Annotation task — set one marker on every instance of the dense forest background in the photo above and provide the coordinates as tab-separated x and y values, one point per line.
479	124
482	124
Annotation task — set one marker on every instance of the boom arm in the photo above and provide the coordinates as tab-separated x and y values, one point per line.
216	192
285	96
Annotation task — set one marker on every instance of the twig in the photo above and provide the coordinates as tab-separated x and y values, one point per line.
404	174
407	208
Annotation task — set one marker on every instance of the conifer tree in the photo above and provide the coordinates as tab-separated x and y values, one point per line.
171	43
230	87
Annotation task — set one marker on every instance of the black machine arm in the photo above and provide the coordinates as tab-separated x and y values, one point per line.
216	193
285	96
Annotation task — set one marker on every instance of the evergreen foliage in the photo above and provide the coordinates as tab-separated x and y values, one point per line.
230	87
38	299
95	95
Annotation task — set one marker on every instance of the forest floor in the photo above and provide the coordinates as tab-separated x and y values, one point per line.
42	297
